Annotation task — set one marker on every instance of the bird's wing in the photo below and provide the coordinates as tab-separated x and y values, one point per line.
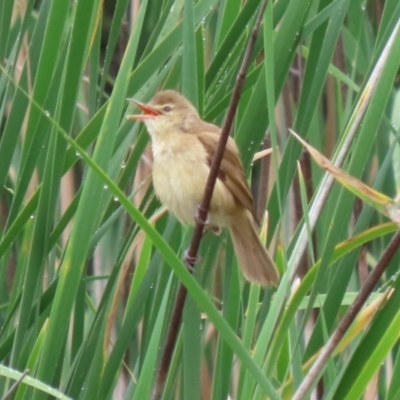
231	172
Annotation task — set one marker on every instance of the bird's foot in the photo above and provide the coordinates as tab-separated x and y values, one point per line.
207	223
212	228
198	218
190	261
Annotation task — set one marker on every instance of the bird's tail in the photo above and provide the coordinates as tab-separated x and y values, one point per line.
257	266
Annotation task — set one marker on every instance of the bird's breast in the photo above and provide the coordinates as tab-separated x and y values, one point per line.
180	173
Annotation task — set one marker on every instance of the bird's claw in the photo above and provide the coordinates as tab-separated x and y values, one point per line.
207	223
213	228
197	217
191	261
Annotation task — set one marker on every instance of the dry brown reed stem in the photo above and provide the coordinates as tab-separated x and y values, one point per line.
203	208
319	365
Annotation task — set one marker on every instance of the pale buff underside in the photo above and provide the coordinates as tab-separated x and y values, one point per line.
183	192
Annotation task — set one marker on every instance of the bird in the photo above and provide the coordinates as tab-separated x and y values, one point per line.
183	147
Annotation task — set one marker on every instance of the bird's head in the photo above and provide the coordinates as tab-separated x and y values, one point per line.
168	111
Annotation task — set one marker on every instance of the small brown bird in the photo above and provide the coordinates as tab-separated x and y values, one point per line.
183	149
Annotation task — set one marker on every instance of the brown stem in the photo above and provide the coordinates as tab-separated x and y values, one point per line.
191	254
14	387
170	342
318	367
263	181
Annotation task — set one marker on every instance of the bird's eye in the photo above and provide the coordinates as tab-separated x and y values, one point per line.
167	108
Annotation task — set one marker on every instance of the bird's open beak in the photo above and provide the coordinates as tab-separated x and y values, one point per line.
149	111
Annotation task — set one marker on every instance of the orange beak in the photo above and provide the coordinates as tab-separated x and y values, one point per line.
149	111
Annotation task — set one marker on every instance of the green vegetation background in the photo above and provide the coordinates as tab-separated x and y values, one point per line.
89	266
